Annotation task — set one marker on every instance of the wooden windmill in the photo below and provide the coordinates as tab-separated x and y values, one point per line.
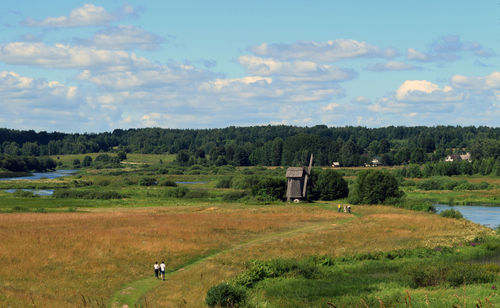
297	178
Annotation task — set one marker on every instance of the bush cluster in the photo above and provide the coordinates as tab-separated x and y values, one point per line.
421	275
451	213
167	182
86	194
225	295
446	183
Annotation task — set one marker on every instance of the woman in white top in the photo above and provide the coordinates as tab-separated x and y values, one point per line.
157	269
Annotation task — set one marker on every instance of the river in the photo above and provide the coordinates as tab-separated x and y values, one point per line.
43	175
485	215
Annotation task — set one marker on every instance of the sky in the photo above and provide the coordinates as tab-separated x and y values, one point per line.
80	66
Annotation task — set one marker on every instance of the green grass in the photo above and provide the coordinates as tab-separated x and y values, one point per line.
134	291
355	281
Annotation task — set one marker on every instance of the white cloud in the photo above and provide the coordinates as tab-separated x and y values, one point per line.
413	54
361	100
330	51
489	82
296	70
30	103
151	76
15	86
330	107
391	66
123	37
448	48
426	91
66	56
87	15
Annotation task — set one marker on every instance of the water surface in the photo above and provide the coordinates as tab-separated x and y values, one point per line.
43	175
485	215
39	192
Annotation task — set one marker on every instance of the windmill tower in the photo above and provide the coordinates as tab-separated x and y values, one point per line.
297	178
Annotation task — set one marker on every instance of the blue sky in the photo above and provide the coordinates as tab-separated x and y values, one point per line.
79	66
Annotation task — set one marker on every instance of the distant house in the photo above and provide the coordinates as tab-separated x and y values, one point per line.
373	163
458	157
465	156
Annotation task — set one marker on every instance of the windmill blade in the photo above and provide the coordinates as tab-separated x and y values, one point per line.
308	173
310	165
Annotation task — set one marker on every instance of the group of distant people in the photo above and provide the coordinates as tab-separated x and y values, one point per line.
347	209
160	270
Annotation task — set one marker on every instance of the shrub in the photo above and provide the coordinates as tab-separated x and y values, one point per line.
177	192
470	273
167	182
327	185
194	194
131	181
429	184
19	209
234	195
270	189
421	275
25	194
225	295
244	181
416	205
103	182
147	181
260	270
451	213
408	183
86	194
121	155
493	244
224	182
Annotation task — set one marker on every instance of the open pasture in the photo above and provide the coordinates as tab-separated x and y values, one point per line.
57	259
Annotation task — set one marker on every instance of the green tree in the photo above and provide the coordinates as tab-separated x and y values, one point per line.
327	185
374	187
87	161
122	155
183	157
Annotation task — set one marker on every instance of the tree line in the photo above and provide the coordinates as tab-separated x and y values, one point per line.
278	145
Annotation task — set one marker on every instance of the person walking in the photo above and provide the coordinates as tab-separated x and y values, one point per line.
339	207
162	269
157	269
349	209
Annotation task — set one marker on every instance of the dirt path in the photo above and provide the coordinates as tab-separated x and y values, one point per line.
130	294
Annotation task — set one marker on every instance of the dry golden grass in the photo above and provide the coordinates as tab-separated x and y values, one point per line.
378	229
51	260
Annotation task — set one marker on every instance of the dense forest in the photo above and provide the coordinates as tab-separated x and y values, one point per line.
268	145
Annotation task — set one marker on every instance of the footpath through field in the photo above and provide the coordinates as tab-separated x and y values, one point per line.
131	294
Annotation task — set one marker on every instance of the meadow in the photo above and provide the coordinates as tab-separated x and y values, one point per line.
94	242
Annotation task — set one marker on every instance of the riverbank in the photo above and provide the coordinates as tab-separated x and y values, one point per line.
10	175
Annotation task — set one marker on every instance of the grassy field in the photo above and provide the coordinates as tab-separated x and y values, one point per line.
60	258
85	249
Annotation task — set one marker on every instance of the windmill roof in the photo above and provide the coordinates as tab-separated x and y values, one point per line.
294	172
